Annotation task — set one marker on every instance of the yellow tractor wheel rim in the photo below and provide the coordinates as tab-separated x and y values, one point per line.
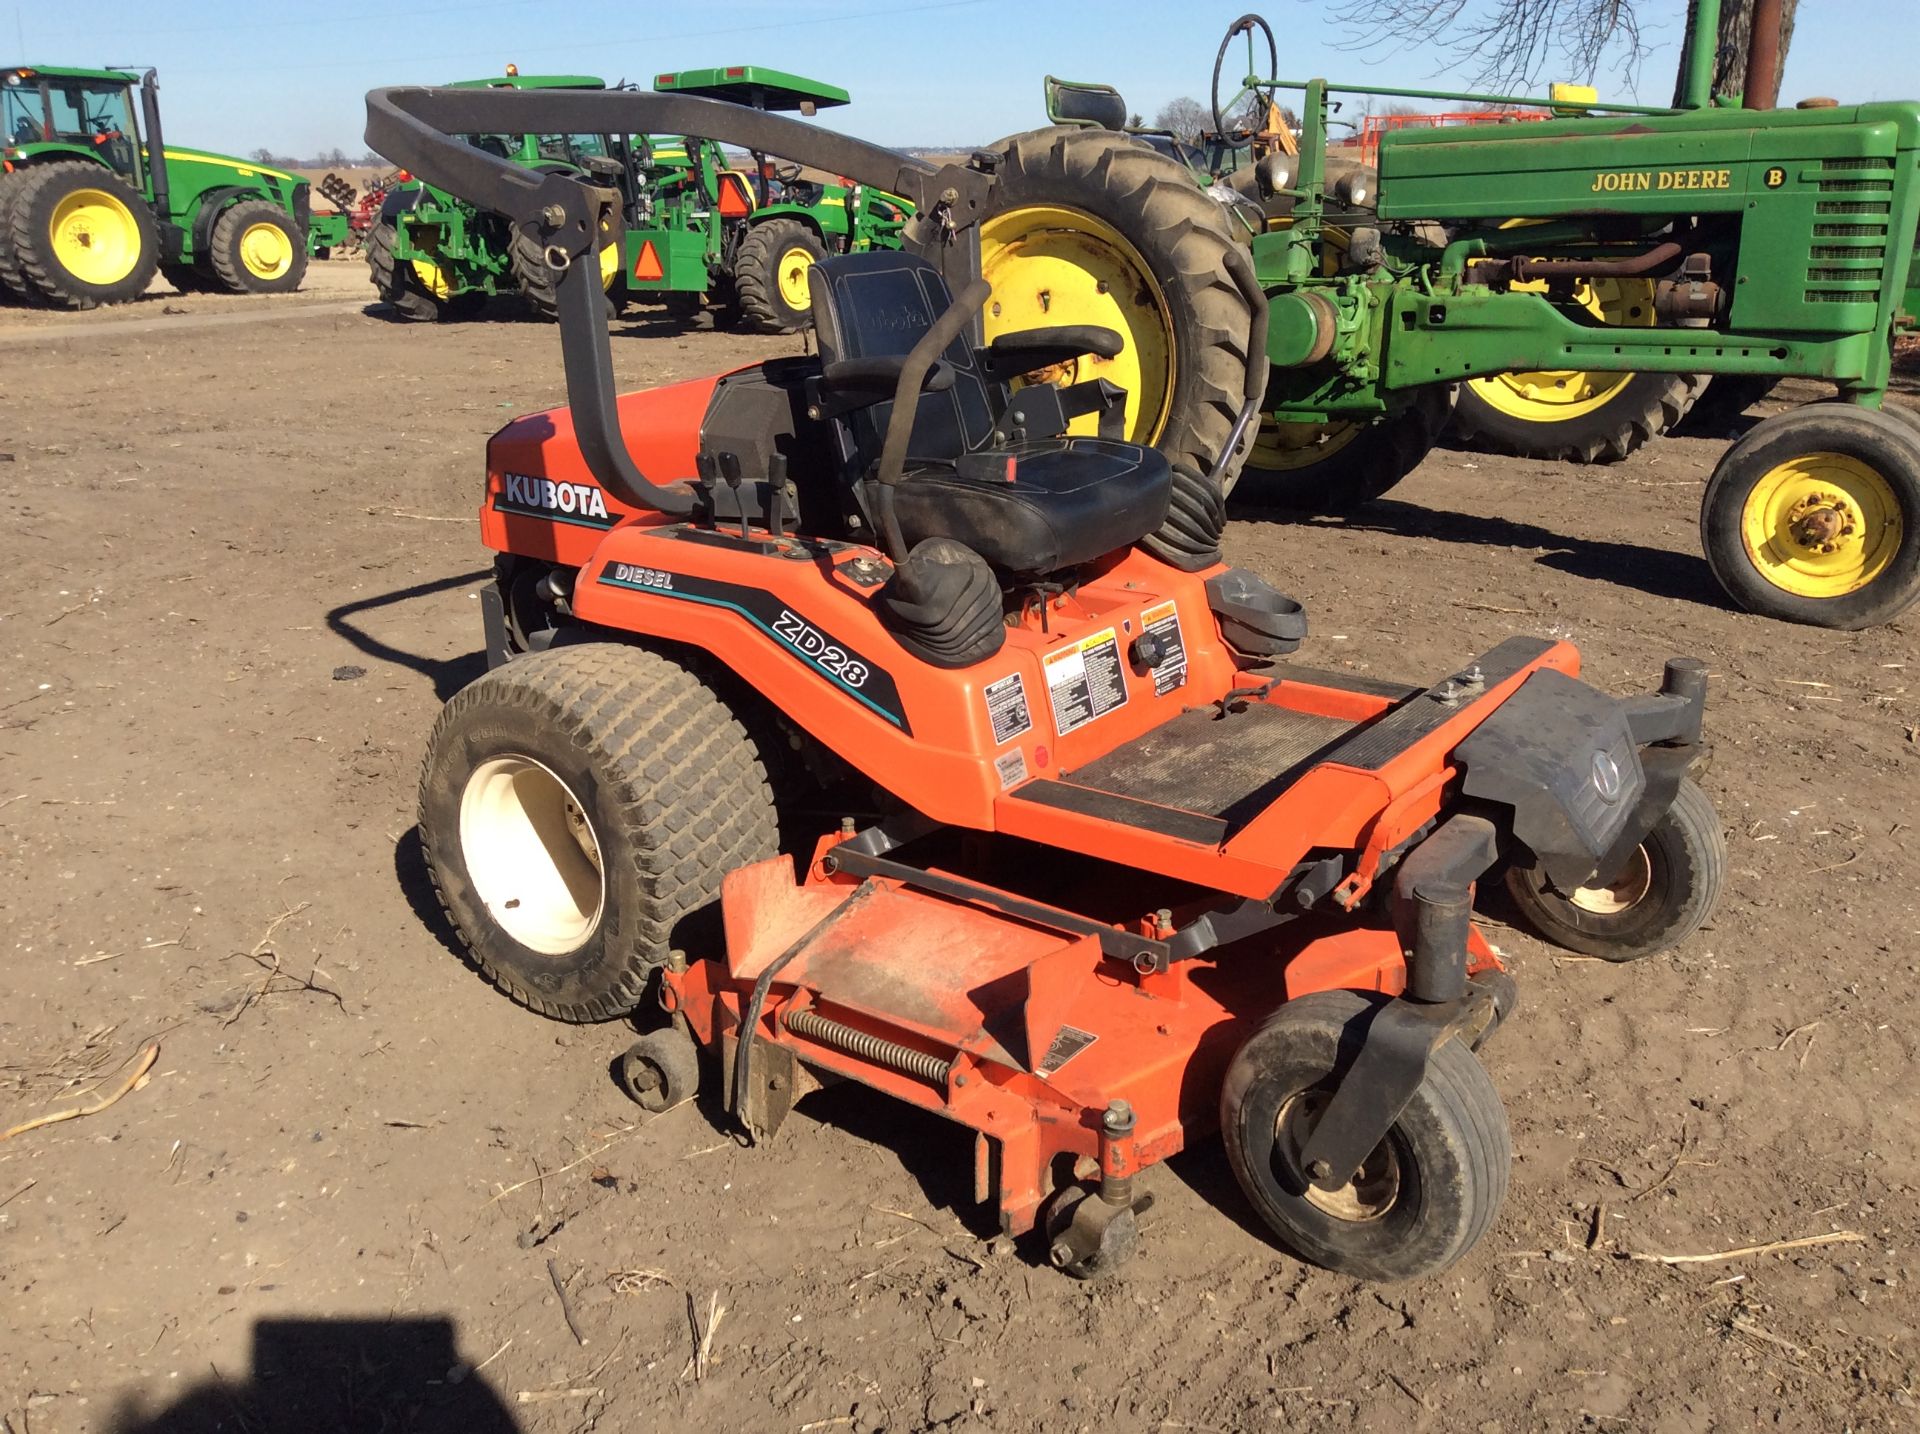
1821	525
1288	447
792	272
1050	266
432	278
609	261
266	251
94	236
1559	395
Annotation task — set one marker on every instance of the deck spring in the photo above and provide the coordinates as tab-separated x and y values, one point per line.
869	1047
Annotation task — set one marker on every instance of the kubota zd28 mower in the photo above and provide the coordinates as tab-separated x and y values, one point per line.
849	713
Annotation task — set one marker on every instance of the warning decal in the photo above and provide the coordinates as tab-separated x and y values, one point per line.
1066	1045
1085	681
1170	671
1007	708
1012	767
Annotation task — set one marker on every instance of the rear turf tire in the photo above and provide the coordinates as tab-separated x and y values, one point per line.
257	249
1426	1194
1180	240
664	782
393	280
1645	407
108	248
763	274
1667	891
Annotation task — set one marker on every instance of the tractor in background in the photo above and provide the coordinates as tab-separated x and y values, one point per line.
93	202
433	256
744	239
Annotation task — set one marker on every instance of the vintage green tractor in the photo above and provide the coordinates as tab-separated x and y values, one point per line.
91	208
432	256
746	238
1764	242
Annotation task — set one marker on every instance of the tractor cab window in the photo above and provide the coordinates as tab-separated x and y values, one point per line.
97	115
23	114
572	148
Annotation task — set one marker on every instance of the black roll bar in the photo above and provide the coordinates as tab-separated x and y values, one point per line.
418	129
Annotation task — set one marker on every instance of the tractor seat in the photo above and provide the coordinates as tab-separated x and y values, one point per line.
1028	505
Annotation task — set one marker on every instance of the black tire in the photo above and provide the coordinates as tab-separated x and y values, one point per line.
1667	891
393	279
1183	238
538	283
43	272
660	1070
1723	403
13	282
235	263
189	280
1877	459
756	274
1358	467
1645	407
1428	1192
651	766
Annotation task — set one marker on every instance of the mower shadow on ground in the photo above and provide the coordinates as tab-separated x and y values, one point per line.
448	674
1657	572
312	1374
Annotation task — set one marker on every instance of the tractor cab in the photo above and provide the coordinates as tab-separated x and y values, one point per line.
760	88
49	107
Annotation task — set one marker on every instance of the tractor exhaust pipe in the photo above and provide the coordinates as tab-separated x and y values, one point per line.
1762	88
157	163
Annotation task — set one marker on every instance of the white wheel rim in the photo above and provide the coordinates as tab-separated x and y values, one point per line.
1375	1185
532	855
1631	885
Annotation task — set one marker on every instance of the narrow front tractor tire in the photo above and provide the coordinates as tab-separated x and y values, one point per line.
578	808
1427	1192
393	278
1813	516
1333	468
82	236
258	249
1093	227
1668	889
770	273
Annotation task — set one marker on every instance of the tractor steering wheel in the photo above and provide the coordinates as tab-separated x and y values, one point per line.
1252	85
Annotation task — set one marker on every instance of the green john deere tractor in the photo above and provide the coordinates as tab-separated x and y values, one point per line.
90	208
746	238
1762	243
432	256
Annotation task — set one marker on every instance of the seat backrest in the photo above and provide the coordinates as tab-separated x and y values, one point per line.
879	305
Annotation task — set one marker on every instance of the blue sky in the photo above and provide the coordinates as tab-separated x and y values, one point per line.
236	76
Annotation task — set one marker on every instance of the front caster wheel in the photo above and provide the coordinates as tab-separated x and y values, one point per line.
1424	1195
660	1070
1668	888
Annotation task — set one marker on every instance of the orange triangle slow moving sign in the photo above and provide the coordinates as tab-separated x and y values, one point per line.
647	266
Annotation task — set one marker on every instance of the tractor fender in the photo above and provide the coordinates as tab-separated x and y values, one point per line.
810	218
209	206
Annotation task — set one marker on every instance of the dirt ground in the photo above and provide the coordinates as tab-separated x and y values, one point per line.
240	565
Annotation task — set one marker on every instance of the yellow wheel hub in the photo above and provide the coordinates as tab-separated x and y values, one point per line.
1285	447
792	273
1557	395
94	236
266	251
1821	525
1051	266
432	278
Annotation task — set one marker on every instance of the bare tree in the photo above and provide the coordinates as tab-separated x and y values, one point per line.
1512	44
1185	118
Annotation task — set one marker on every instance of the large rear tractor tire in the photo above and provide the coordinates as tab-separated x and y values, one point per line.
1091	227
13	283
1315	468
82	236
1813	516
1575	415
578	808
394	280
770	273
258	249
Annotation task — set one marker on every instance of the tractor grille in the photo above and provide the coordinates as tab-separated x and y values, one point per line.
1850	272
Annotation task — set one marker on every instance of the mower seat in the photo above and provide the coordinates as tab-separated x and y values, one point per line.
1030	505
